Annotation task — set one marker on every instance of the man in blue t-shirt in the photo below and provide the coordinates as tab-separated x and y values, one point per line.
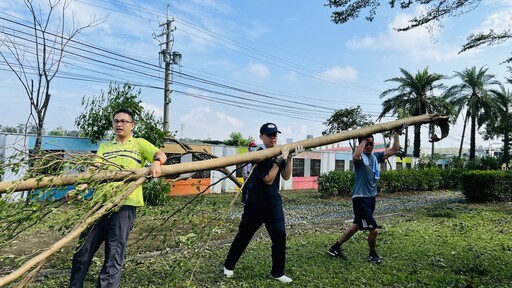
367	173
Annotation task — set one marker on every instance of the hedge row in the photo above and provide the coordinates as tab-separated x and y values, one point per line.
484	186
477	186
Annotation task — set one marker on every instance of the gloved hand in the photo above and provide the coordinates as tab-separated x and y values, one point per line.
299	149
281	159
400	130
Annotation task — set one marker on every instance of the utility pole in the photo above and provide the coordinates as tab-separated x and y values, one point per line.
169	57
181	132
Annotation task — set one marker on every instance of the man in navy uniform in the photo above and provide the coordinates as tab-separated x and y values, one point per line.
264	205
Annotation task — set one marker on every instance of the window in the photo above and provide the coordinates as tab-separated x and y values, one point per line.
339	165
351	165
408	165
298	167
314	166
399	165
173	158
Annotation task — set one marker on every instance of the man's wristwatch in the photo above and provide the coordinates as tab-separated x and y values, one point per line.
280	161
158	159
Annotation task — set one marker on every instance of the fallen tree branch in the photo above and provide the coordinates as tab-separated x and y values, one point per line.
254	157
43	256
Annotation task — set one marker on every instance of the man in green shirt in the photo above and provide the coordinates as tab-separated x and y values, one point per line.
114	228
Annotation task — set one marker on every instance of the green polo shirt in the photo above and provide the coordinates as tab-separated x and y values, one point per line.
132	154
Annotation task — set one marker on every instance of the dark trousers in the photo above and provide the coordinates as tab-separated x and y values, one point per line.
113	228
258	211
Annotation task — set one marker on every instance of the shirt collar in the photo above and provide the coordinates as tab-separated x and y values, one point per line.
114	141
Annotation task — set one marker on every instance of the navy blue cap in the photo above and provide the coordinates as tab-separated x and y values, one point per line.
269	128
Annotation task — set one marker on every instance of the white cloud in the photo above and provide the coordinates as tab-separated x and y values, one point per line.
194	6
303	131
195	114
416	44
234	122
158	112
497	21
338	73
84	14
258	72
204	123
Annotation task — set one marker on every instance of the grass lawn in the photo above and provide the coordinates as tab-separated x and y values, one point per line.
453	245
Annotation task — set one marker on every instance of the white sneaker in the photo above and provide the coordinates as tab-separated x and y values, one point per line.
228	273
284	279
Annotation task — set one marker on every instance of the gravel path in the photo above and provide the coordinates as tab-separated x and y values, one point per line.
342	209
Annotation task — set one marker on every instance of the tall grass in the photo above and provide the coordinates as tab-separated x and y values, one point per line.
455	245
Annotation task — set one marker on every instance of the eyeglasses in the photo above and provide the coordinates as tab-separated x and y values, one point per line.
369	144
122	121
271	135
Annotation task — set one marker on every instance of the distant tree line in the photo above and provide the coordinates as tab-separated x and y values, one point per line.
32	129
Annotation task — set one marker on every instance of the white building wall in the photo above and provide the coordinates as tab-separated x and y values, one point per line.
391	163
13	145
225	185
286	184
328	162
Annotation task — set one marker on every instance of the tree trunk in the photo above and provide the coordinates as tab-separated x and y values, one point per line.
417	141
506	150
463	133
406	140
472	139
254	157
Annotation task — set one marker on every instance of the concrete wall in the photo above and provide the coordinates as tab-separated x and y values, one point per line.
226	185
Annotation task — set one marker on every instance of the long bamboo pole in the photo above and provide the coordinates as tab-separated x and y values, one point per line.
71	235
257	156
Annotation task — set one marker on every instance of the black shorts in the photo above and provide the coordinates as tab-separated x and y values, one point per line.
363	212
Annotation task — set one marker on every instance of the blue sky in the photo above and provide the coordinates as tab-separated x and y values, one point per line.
289	63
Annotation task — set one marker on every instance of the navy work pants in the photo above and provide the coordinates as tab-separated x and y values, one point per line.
258	211
113	228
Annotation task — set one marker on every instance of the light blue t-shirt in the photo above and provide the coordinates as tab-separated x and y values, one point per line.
367	174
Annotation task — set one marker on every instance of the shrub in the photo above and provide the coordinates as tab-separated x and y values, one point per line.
410	180
156	192
484	186
484	163
336	183
387	182
430	179
477	186
342	182
451	178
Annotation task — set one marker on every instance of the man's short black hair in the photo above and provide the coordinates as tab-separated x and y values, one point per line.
362	138
124	110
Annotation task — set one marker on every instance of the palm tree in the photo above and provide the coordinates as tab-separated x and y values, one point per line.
473	95
500	120
415	94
